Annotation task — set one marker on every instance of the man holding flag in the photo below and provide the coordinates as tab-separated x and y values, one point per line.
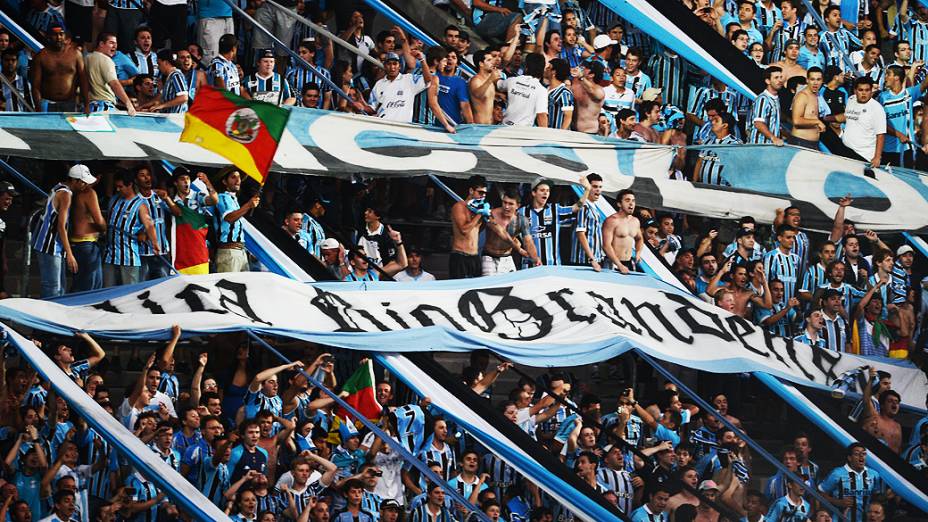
246	133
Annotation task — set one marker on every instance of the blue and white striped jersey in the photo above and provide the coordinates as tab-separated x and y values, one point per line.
813	279
638	83
794	31
862	486
228	232
712	167
590	221
915	32
619	481
11	102
46	238
837	47
215	480
257	401
222	68
805	338
297	77
668	72
144	491
444	456
784	267
766	109
145	63
560	99
122	246
174	85
546	225
784	326
502	475
274	89
900	115
169	385
157	211
835	333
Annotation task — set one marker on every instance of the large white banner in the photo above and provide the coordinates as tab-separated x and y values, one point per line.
541	317
763	178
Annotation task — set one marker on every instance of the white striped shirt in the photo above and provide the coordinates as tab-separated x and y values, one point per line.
766	110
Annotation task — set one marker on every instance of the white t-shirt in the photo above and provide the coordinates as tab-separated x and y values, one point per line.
423	276
526	97
394	100
864	122
615	101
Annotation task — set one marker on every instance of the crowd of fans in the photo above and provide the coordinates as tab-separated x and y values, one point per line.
266	445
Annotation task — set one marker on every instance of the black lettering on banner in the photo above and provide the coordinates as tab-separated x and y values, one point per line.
421	314
684	312
240	301
558	298
820	357
395	316
337	309
523	317
148	304
606	308
658	314
191	295
769	338
106	306
742	328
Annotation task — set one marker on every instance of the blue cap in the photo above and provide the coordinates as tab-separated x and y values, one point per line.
391	57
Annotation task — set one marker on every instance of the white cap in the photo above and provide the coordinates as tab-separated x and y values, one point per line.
82	173
904	249
329	242
602	41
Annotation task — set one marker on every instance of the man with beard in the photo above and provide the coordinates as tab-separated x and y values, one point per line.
512	231
57	73
708	267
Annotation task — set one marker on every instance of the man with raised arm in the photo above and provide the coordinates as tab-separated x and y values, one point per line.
511	232
482	87
622	235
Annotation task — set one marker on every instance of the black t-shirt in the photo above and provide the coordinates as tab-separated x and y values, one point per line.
836	99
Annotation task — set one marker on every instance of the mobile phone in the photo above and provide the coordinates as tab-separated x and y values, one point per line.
327	359
378	473
626	392
129	491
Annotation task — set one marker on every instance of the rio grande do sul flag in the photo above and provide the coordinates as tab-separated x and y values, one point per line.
244	132
361	395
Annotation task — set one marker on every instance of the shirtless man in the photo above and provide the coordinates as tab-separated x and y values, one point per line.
588	98
739	286
886	421
57	72
622	234
789	62
482	87
467	216
806	123
87	223
506	232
